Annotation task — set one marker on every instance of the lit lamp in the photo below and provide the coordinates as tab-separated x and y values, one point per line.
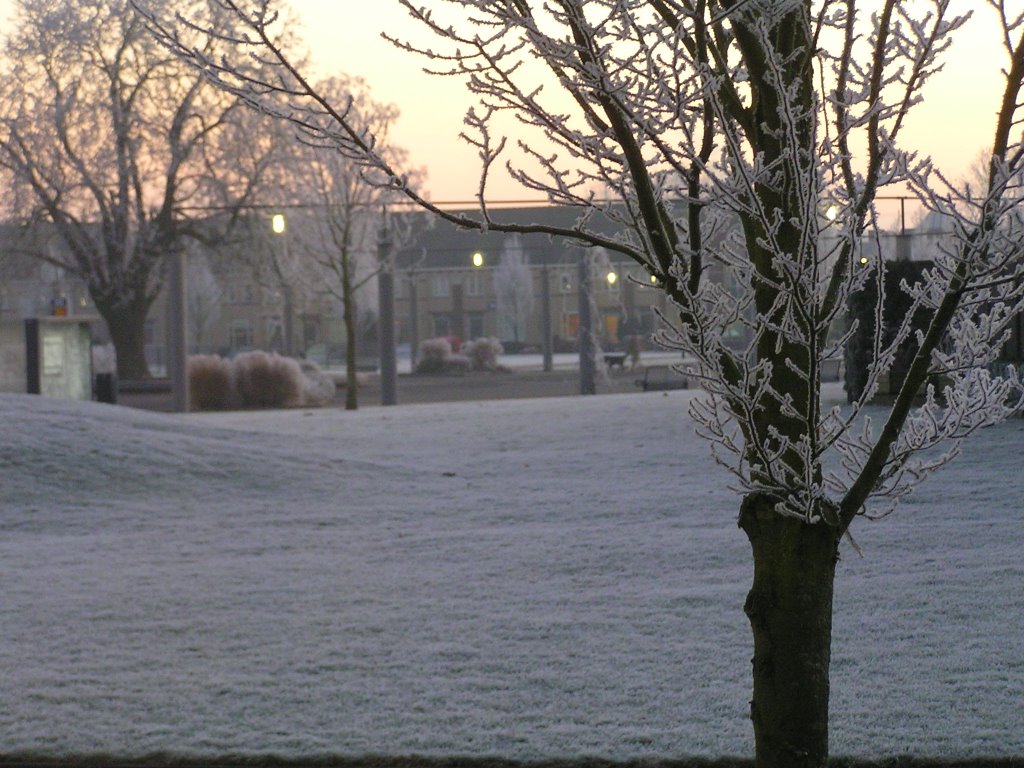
478	259
612	277
277	226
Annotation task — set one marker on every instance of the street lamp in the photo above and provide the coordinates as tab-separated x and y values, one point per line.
478	259
612	277
278	227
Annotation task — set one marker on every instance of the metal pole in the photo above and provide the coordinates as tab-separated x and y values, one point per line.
545	300
414	319
904	248
289	320
386	332
177	334
588	384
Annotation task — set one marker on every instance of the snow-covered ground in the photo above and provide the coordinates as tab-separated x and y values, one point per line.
530	579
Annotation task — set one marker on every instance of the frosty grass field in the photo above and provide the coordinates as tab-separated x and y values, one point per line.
529	579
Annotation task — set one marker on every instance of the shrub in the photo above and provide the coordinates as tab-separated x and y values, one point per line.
211	383
268	380
318	389
457	364
483	353
433	354
861	306
104	358
456	343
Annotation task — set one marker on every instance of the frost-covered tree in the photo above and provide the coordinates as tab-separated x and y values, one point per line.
340	245
513	286
114	143
725	131
204	296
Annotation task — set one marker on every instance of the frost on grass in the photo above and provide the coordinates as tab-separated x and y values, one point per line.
263	582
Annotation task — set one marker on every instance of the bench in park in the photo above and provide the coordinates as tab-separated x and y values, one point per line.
612	359
662	377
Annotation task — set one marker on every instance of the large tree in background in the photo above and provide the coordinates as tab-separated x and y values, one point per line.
751	136
111	139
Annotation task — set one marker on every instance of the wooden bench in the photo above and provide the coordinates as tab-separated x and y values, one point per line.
612	359
662	377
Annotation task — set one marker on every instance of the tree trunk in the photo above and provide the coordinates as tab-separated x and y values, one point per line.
351	377
790	612
127	326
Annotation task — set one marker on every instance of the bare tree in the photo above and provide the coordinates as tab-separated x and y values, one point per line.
204	296
339	245
726	129
513	286
109	139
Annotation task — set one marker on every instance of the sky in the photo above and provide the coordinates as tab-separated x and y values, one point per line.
953	125
955	122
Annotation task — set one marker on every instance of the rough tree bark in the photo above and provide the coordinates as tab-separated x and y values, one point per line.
127	325
790	611
349	313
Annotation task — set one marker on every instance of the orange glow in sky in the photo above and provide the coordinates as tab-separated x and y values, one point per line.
955	122
953	125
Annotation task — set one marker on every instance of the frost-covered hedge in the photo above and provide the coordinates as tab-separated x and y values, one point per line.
211	384
437	356
433	354
257	380
318	389
483	353
268	380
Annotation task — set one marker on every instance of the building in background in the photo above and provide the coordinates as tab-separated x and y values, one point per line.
456	282
448	282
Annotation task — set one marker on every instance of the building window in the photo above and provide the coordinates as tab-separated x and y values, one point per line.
570	325
241	335
565	282
439	286
312	330
476	324
275	333
442	325
476	284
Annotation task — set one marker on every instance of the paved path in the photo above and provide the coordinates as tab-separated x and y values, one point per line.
520	381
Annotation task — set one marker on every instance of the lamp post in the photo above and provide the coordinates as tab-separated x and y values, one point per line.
478	260
386	309
545	301
279	227
588	367
414	321
178	332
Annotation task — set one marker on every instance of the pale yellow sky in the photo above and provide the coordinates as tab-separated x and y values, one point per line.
953	124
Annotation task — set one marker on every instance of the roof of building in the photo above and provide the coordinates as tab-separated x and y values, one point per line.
440	244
